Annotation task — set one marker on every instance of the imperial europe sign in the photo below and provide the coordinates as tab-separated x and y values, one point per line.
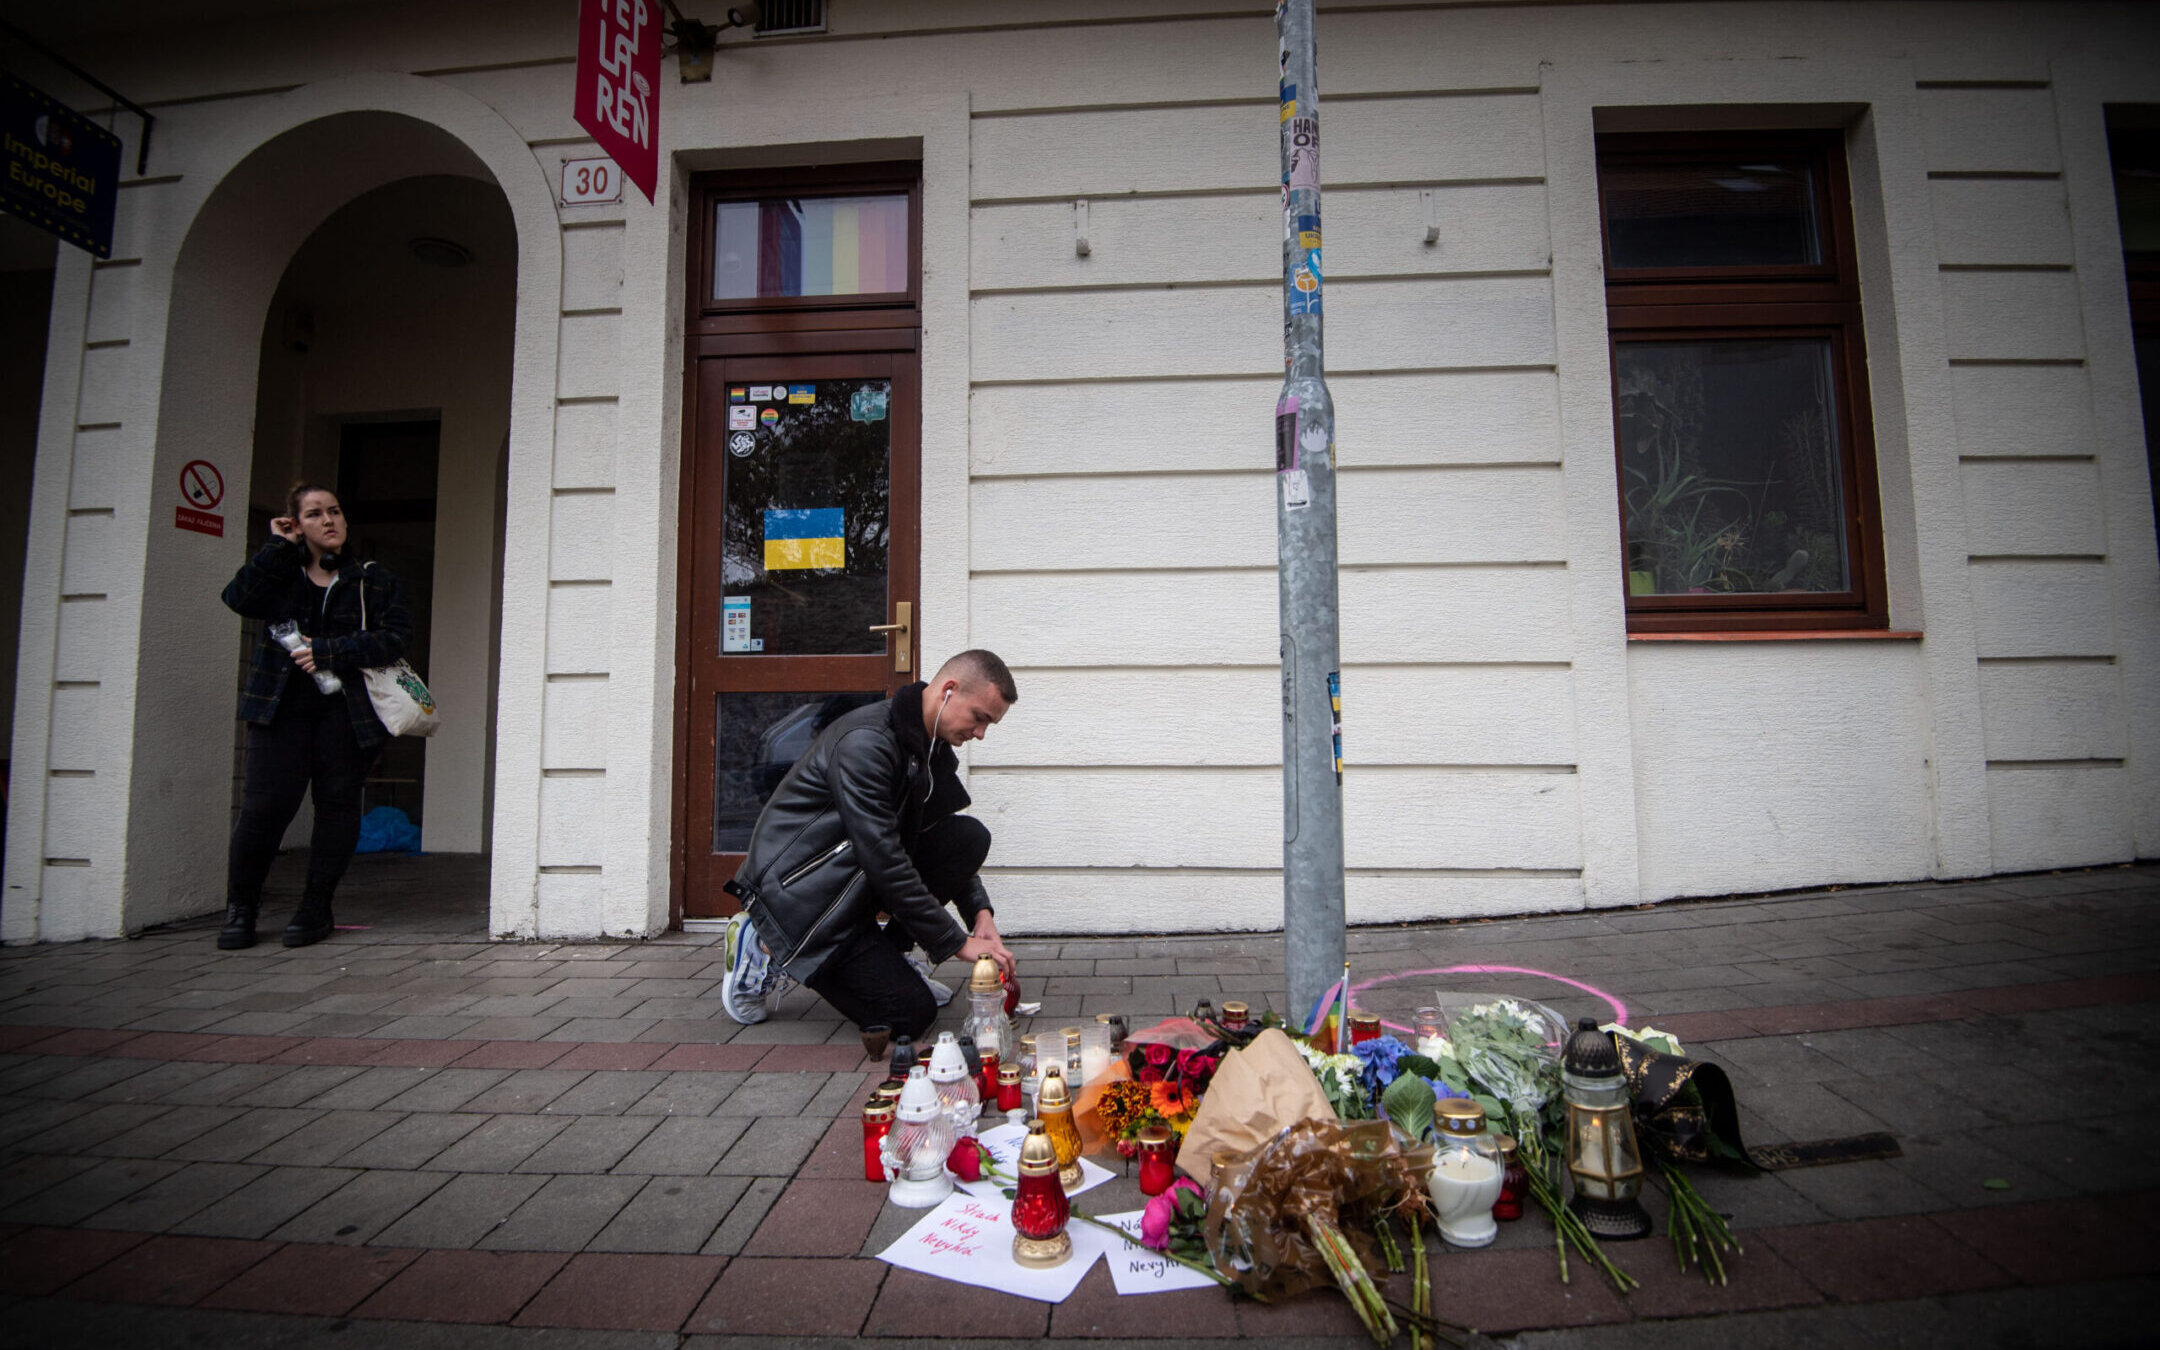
58	170
618	84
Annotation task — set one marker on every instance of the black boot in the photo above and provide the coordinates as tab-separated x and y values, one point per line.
239	929
310	924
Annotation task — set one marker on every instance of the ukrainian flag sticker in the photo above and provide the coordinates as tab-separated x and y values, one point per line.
813	538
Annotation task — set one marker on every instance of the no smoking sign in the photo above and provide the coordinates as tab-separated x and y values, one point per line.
202	487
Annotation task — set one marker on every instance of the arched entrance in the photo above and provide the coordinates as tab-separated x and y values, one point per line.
384	152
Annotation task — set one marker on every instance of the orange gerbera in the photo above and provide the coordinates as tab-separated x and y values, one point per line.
1170	1100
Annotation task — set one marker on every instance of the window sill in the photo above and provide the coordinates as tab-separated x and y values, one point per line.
1787	635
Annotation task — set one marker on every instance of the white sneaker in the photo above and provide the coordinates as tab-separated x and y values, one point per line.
751	983
939	990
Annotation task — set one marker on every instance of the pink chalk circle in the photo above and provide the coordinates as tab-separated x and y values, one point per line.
1619	1009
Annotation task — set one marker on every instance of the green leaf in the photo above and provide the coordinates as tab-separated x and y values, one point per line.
1421	1065
1408	1102
1995	1184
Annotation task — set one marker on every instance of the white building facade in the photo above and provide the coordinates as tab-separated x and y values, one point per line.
1081	443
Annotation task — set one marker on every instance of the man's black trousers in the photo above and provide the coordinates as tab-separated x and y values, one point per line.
868	978
309	743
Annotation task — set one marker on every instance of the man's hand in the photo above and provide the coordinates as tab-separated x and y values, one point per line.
304	657
992	947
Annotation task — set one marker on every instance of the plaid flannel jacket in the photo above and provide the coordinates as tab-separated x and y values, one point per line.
273	585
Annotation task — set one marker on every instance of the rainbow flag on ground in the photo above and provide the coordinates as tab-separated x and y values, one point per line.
812	538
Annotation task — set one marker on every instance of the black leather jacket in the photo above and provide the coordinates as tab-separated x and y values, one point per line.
830	848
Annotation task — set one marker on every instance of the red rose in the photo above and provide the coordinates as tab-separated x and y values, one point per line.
1158	1054
965	1160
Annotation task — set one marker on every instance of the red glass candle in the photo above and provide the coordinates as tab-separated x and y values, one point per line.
1008	1087
1040	1209
877	1119
1364	1027
1156	1148
1515	1183
988	1082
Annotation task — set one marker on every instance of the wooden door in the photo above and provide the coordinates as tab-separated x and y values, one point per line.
803	562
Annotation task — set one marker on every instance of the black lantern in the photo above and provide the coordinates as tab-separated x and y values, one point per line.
1602	1155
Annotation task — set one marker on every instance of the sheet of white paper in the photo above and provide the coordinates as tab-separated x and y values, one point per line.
969	1240
1136	1270
1003	1146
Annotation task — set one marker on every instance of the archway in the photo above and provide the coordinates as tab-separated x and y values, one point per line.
338	145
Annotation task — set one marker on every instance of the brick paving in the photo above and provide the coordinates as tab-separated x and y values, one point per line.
413	1132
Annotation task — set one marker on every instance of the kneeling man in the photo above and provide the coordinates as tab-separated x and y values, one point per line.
865	823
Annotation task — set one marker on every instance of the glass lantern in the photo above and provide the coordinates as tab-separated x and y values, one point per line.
1040	1210
1053	1104
1467	1174
1602	1156
920	1140
958	1092
1158	1153
986	1019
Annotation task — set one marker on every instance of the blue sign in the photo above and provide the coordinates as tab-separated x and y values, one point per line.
61	170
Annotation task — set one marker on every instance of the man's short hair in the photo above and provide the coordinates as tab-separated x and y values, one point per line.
975	665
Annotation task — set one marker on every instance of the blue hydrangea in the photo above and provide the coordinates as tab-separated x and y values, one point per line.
1381	1057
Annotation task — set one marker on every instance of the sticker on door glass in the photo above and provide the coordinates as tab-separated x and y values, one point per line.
742	444
742	417
770	417
802	393
761	393
868	405
735	625
737	393
800	539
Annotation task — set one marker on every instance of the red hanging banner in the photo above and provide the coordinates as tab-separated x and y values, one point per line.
618	84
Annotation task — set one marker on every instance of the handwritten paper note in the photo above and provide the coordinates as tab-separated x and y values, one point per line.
969	1240
1003	1146
1136	1270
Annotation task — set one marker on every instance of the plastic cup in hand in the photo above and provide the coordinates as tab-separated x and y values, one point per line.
287	635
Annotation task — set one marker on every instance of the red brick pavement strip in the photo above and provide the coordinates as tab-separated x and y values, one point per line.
313	1279
42	1260
759	1296
820	1217
174	1270
448	1286
1728	1024
599	1292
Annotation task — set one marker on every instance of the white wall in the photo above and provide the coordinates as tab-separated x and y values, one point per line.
1096	444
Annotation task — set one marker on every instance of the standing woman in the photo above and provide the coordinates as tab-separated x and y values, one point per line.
298	736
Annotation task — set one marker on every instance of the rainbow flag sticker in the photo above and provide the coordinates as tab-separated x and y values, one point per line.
798	539
737	393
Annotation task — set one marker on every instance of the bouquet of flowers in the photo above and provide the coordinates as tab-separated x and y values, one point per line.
1126	1107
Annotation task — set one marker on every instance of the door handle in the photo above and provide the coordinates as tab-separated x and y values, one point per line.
903	658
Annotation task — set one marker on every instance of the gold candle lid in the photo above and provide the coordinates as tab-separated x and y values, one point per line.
877	1110
1052	1096
1153	1136
1008	1075
1233	1008
986	979
1038	1155
1460	1115
1072	1037
1365	1020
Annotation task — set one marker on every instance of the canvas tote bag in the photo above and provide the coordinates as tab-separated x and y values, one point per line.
401	700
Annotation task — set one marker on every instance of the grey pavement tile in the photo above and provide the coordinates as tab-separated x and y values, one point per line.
250	1133
297	1086
174	1198
499	1145
793	1031
24	1072
171	1127
78	1197
512	1005
526	1089
336	1024
229	1082
592	1144
266	1202
773	1146
430	1028
1871	1051
27	1178
411	1142
606	1092
1918	1103
447	1090
49	1127
87	1078
326	1139
563	1215
1800	1111
370	1088
613	1028
835	1096
743	1219
671	1214
685	1146
1780	1059
180	1019
772	1094
687	1094
577	986
258	1023
158	1084
461	1213
1960	1167
1863	1190
363	1207
678	1009
513	1028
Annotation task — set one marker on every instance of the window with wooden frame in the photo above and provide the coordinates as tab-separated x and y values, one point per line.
1748	497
